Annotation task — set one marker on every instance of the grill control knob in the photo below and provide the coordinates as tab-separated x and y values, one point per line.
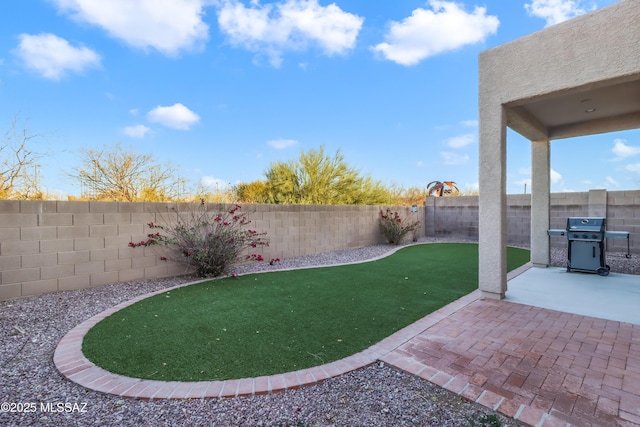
584	236
593	236
575	236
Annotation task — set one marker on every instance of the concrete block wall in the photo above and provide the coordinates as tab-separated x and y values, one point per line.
297	230
452	216
623	214
49	246
519	219
458	216
563	206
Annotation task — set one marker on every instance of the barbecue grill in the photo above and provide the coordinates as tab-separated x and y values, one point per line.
586	249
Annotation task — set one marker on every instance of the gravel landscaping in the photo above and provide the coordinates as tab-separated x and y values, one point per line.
377	395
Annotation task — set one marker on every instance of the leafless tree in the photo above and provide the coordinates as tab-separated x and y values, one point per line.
19	168
115	174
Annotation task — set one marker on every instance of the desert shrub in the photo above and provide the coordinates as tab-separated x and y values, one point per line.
209	242
394	228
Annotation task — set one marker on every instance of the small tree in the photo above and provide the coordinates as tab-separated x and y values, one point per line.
316	178
252	192
116	174
407	196
18	164
394	228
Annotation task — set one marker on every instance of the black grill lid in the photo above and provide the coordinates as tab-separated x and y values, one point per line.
585	224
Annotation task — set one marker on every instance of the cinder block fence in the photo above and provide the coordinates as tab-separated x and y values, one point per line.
49	246
458	216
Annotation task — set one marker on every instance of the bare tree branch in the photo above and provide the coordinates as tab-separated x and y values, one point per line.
19	164
116	174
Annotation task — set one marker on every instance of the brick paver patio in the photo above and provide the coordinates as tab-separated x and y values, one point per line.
532	364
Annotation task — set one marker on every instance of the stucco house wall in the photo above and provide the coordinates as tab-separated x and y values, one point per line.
537	85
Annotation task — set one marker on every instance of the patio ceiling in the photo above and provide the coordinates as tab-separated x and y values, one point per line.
607	107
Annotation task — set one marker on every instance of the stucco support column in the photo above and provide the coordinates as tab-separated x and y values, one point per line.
540	203
492	262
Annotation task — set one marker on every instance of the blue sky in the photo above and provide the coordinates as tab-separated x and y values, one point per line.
222	88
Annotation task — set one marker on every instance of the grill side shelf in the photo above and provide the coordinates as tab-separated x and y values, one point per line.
620	235
616	235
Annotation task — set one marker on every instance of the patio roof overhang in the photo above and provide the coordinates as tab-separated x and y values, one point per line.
596	108
580	77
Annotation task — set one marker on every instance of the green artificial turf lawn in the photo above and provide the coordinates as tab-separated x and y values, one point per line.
268	323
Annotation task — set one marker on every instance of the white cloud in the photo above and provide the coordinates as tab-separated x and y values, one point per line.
213	183
611	182
554	176
52	56
454	158
556	11
525	171
469	123
622	150
523	183
280	144
176	116
634	167
461	140
168	26
137	131
429	32
133	111
272	29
